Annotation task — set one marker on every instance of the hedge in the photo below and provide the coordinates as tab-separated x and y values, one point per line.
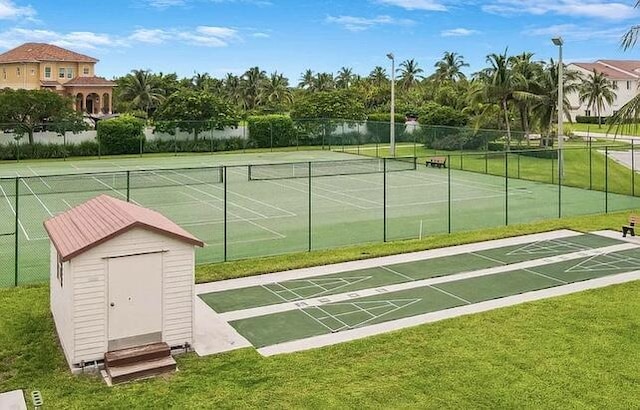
48	151
271	131
591	120
386	117
122	135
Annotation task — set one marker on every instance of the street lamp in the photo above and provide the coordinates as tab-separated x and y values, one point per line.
557	41
392	135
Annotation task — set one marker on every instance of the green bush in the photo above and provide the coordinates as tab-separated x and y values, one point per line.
436	114
591	120
48	151
271	131
122	135
201	145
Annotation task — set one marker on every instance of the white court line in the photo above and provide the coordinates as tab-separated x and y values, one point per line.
278	234
36	196
14	212
545	276
449	294
341	297
39	177
353	334
318	195
397	273
67	203
116	191
241	196
487	258
339	192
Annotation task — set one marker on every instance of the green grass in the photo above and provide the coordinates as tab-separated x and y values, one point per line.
632	129
578	351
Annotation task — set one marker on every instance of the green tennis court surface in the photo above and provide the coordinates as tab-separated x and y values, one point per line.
254	215
278	312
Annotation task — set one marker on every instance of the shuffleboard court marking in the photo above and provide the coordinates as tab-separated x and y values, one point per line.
545	276
388	269
283	307
431	317
337	283
596	263
24	231
546	247
460	298
479	255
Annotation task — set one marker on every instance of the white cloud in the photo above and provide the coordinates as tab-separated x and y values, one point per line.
600	9
577	33
458	32
260	35
10	11
353	23
150	36
164	4
428	5
76	39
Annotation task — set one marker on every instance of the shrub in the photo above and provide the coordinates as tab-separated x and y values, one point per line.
386	117
436	114
271	131
47	151
122	135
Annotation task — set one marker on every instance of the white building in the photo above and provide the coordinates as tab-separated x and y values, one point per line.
121	276
625	74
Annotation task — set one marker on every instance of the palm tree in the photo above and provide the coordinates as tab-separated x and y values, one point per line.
323	82
410	74
378	76
448	69
596	90
251	84
141	88
499	85
629	115
344	77
306	80
201	81
276	90
526	74
233	88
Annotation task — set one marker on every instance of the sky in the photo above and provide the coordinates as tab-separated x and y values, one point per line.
288	36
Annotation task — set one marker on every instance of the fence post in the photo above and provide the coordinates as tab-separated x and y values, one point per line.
518	157
561	154
633	170
224	211
384	198
486	162
590	166
175	142
309	171
17	232
553	171
449	193
271	134
506	188
606	180
128	186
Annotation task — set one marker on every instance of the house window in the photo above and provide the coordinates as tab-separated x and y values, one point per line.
33	71
47	72
587	113
85	71
18	71
60	270
69	72
61	73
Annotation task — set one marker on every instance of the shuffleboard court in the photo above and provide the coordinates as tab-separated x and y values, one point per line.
280	313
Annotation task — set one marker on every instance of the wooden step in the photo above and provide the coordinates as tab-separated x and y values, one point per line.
136	354
141	370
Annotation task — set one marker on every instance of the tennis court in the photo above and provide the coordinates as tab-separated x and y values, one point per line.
291	314
269	208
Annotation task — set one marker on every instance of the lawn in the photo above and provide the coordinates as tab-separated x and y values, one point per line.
580	350
631	129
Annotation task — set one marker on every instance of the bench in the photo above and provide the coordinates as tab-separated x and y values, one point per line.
440	162
630	227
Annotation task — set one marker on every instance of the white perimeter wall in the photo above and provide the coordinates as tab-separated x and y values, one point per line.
90	299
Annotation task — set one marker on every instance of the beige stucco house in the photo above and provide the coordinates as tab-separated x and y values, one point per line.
35	66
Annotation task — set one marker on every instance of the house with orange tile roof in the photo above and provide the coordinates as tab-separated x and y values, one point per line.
36	66
625	75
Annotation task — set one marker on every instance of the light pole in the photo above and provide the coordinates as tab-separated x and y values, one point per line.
559	43
392	134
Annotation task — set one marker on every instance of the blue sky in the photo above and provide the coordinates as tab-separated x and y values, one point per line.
220	36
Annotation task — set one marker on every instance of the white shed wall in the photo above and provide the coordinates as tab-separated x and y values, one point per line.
91	299
62	302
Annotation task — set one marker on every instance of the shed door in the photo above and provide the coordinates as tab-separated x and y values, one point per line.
135	300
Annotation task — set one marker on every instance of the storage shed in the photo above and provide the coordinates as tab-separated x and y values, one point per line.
122	276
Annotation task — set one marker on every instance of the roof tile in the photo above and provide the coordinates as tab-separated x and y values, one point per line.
36	52
101	218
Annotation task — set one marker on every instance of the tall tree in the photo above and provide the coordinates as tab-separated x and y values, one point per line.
233	88
252	82
410	74
275	91
448	68
526	74
597	90
378	76
142	89
306	80
344	78
323	82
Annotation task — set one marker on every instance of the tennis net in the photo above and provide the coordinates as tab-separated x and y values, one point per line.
262	172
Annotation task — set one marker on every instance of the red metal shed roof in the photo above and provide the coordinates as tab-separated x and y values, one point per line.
102	218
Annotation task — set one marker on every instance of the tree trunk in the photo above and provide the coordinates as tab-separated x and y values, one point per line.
30	136
506	122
